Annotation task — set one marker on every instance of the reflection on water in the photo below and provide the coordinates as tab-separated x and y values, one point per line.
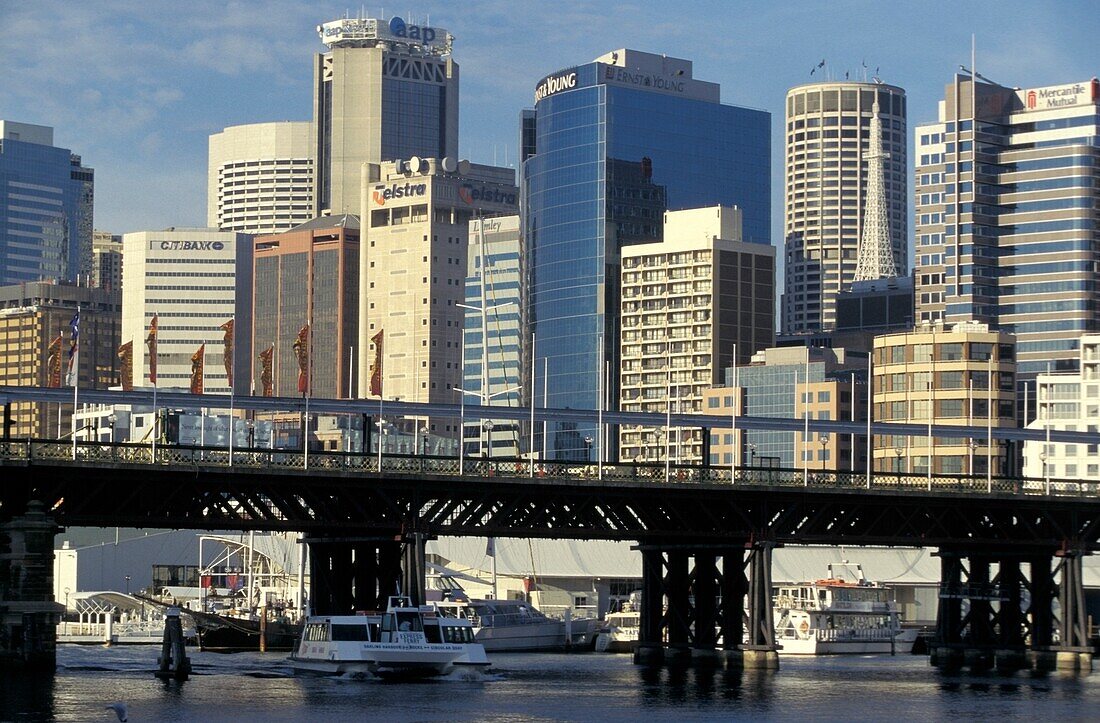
578	687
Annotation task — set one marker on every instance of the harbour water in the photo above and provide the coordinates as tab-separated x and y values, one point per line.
532	687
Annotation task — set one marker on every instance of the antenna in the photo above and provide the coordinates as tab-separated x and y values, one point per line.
876	253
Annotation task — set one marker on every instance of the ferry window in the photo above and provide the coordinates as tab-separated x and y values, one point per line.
431	634
374	630
387	622
409	621
349	632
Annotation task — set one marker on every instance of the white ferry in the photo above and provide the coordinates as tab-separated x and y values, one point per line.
834	616
404	641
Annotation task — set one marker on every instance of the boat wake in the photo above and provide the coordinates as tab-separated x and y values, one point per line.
470	675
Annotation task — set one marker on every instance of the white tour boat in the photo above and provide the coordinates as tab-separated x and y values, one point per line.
619	633
834	616
405	641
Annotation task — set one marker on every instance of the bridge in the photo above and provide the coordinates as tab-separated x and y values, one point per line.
1011	548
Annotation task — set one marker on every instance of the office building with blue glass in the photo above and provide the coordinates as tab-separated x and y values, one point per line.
45	207
616	143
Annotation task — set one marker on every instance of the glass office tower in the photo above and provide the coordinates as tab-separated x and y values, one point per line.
618	141
46	200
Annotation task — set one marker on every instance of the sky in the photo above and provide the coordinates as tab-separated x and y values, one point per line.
137	88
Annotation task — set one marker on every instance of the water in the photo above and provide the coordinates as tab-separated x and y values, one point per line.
532	687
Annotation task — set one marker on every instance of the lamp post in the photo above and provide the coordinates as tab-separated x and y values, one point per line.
587	449
424	436
487	425
973	446
824	439
111	420
127	578
251	427
1046	471
752	454
899	451
67	599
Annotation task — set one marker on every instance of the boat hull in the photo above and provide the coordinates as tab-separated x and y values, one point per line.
244	635
382	660
530	637
901	645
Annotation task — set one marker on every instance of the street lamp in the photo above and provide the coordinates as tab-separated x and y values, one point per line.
67	599
752	454
587	449
824	439
111	419
424	436
251	427
487	425
973	446
127	584
899	452
1046	470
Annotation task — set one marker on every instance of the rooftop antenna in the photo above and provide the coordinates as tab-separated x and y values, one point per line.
876	253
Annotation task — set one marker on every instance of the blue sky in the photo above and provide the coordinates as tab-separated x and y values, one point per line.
136	88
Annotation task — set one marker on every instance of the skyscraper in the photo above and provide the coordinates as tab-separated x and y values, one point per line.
828	140
46	199
260	177
1007	230
617	142
384	90
107	260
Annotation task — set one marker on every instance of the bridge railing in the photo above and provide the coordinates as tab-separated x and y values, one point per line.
126	453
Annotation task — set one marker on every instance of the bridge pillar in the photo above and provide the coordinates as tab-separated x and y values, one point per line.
978	654
734	586
679	608
946	648
341	581
760	651
412	568
1010	654
650	650
389	572
28	614
365	574
706	622
1073	652
1041	614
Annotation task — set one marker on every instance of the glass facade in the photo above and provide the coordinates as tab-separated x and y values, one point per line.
769	391
609	160
45	213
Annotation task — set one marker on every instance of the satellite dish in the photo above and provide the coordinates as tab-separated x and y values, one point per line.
414	164
464	167
449	164
399	165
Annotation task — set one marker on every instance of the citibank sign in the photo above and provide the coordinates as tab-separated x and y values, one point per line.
555	84
191	245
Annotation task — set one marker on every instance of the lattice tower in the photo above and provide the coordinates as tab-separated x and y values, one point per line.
876	253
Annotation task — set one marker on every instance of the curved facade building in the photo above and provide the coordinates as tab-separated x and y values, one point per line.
260	177
827	139
617	142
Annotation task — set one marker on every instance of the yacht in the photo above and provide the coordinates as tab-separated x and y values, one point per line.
405	641
835	615
512	625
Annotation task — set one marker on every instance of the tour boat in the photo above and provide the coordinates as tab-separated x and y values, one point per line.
518	626
834	616
620	632
405	641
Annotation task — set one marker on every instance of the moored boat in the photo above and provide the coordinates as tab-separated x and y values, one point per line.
405	641
619	633
834	616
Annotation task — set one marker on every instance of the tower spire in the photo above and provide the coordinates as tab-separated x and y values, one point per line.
876	253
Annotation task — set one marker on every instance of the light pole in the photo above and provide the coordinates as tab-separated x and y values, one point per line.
111	420
587	449
899	452
973	446
752	454
67	599
424	436
1046	471
824	439
487	425
127	584
251	427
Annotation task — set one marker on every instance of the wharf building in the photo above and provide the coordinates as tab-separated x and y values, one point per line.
106	261
194	280
385	90
32	316
792	383
492	335
687	302
827	160
617	142
1006	222
413	268
308	275
1067	402
965	375
46	200
260	177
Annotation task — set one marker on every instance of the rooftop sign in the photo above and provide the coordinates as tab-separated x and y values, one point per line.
1060	96
369	32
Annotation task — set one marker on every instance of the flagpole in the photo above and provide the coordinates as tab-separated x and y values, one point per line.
232	421
75	371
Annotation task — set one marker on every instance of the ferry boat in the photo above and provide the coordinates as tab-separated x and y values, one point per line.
834	616
405	641
620	632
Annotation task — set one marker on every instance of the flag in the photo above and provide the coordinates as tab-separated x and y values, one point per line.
151	342
73	374
53	364
227	353
376	367
491	547
126	365
197	369
265	370
301	351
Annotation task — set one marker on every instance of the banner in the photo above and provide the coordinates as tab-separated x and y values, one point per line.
266	357
53	364
151	342
301	351
376	367
227	353
126	365
72	377
197	365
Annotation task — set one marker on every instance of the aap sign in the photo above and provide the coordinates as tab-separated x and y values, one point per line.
399	29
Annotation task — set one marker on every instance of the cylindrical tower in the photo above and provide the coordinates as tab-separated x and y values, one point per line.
827	140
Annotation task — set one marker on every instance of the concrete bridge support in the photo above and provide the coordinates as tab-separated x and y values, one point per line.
28	614
347	575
